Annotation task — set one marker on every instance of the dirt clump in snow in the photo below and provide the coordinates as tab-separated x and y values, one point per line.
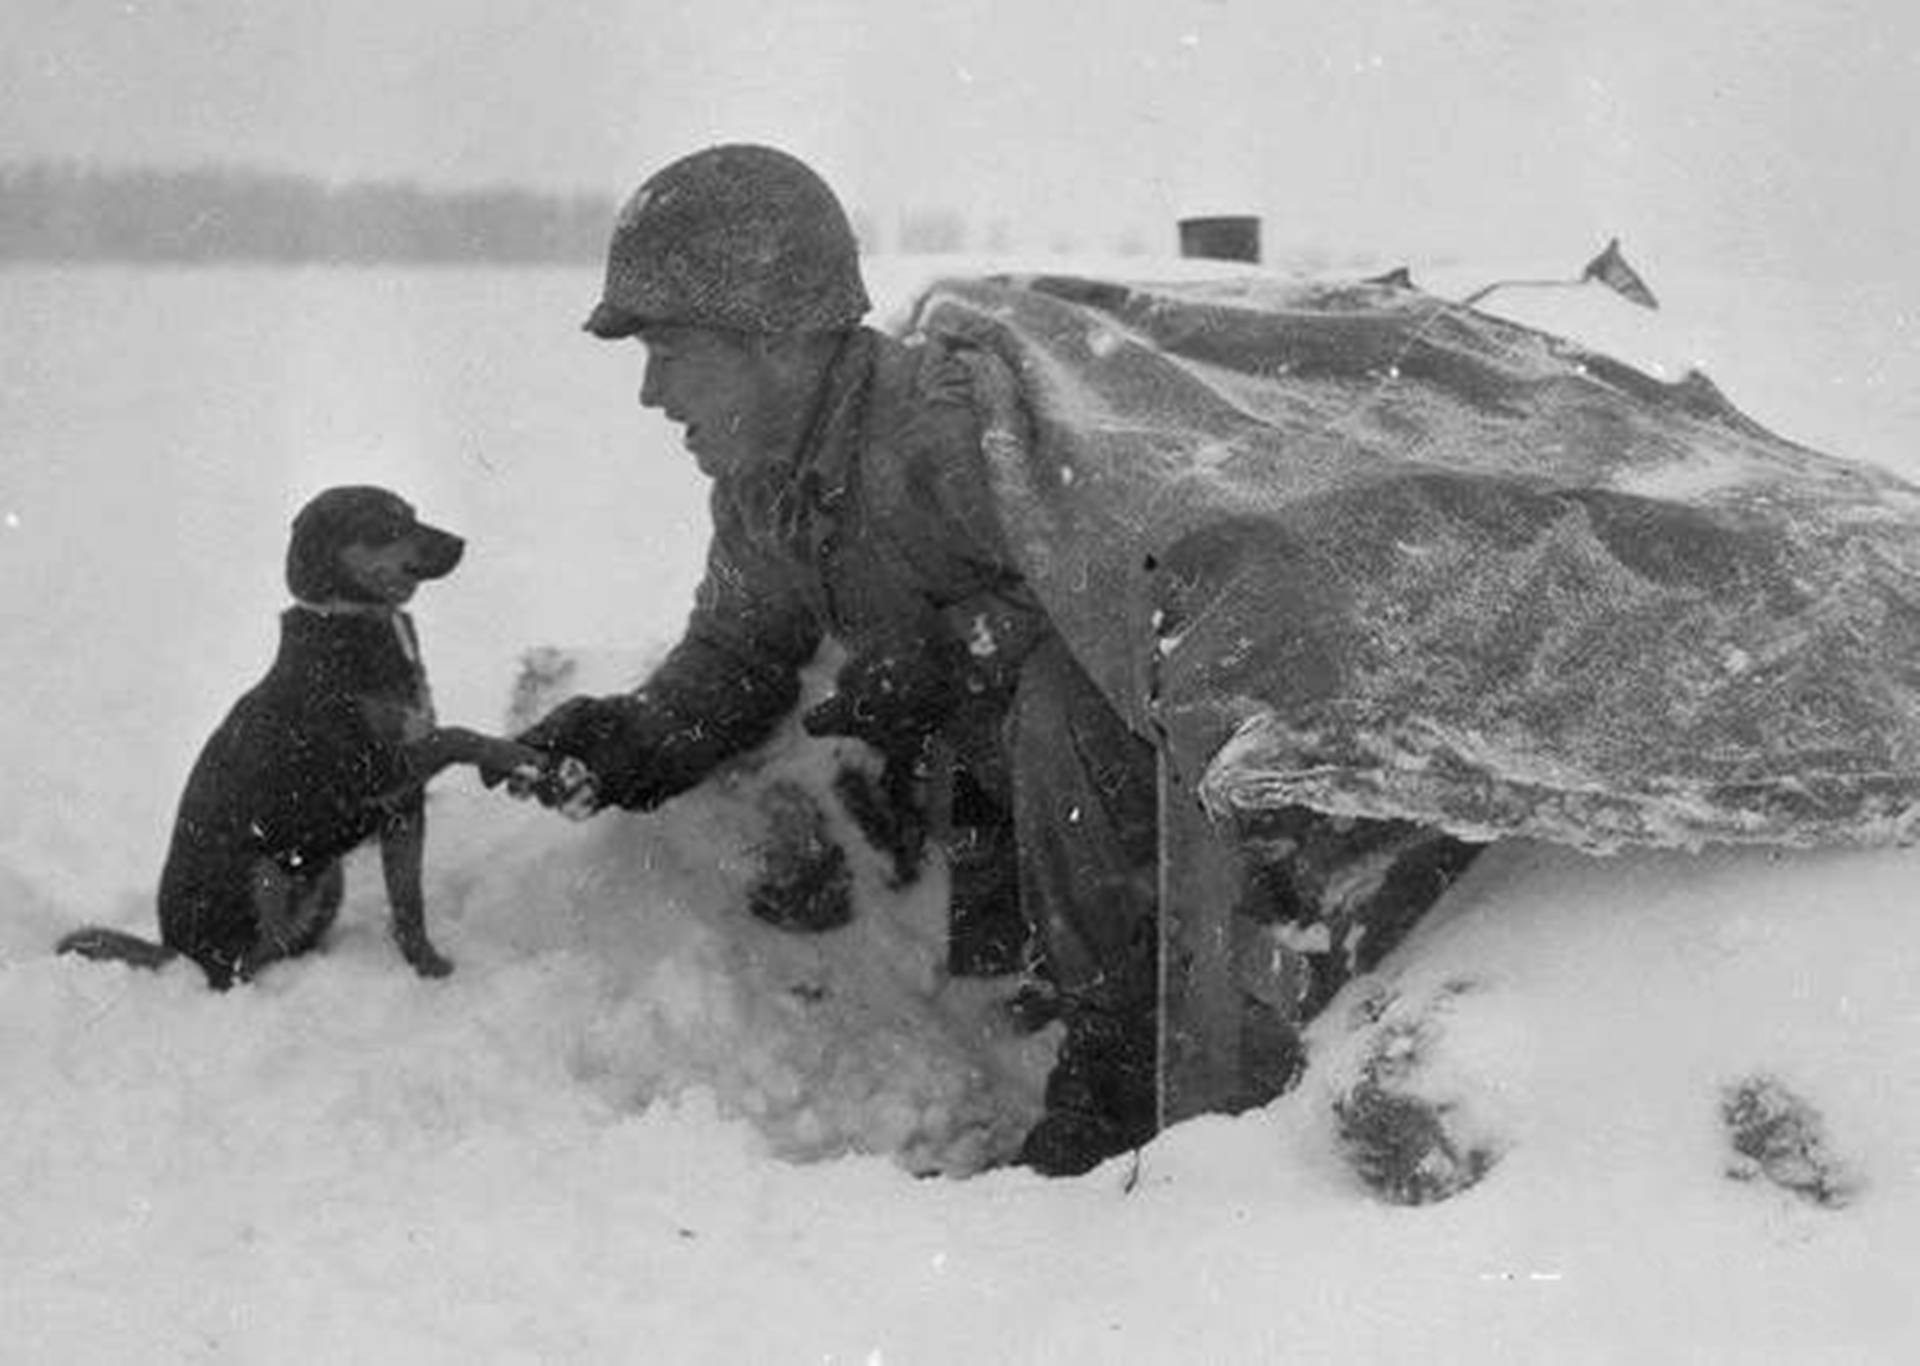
1409	1140
1779	1137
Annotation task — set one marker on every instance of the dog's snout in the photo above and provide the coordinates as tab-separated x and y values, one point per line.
437	552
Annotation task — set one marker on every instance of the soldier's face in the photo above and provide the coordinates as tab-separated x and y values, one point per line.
727	392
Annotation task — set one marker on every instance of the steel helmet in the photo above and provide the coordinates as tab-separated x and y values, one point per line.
738	236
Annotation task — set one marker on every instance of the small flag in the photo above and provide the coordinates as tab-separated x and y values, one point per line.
1610	268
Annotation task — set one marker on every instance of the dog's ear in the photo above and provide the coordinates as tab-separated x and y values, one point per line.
313	559
312	563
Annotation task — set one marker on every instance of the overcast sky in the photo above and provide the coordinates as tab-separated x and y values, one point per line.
1775	131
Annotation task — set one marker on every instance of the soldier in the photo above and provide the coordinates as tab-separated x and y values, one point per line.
851	499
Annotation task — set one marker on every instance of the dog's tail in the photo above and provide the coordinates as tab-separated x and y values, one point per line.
116	946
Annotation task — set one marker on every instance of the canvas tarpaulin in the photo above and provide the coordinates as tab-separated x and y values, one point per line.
1372	553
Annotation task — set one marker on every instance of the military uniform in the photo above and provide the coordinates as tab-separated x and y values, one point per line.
880	530
882	534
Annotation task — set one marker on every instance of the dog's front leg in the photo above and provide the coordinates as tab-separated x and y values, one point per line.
403	840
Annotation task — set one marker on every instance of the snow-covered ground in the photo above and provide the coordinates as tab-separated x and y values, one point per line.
637	1125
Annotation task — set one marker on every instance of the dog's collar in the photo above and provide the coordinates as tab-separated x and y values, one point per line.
346	607
376	611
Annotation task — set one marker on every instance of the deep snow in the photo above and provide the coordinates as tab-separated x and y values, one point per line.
637	1125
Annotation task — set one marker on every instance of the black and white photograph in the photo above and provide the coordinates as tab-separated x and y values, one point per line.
953	681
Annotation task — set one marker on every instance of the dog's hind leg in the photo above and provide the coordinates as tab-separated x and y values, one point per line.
291	914
317	908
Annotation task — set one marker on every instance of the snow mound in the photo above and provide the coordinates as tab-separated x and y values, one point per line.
629	943
1565	1017
1645	1106
847	1040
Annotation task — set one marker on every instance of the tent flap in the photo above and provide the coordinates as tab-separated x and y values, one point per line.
1382	555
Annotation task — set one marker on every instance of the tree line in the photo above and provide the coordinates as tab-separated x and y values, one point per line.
63	212
57	212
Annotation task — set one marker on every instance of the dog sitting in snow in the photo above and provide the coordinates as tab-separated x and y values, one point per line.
335	745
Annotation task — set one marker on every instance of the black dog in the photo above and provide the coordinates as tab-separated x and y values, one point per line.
332	747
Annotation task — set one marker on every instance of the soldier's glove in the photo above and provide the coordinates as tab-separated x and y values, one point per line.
576	726
892	698
558	782
598	735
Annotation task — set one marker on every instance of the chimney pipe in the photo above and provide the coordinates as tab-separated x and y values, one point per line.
1223	237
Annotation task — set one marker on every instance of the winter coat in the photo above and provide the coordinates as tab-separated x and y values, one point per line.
882	534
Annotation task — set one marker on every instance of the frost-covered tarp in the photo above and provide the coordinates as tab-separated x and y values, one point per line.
1382	555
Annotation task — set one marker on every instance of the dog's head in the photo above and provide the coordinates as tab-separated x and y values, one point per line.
360	543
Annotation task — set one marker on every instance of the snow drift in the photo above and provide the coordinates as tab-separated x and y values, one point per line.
577	1147
562	1152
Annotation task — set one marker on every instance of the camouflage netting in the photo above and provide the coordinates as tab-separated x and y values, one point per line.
1367	551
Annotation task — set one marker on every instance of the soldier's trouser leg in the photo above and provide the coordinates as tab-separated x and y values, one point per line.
1086	818
1085	814
987	931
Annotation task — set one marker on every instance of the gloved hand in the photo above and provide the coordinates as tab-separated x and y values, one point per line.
595	758
575	726
892	696
558	782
